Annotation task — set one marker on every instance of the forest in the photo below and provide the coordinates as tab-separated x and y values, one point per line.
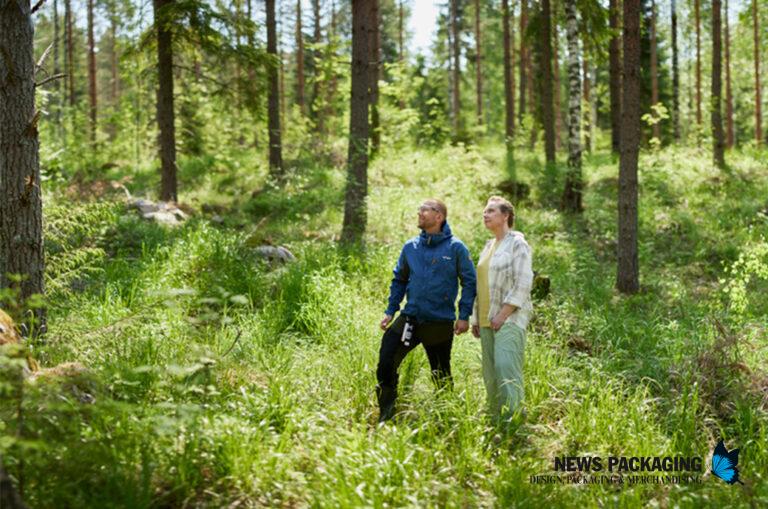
202	204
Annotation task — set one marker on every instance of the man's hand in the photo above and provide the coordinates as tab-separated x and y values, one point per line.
476	331
461	327
385	321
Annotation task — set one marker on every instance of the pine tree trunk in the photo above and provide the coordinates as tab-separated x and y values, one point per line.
728	90
92	72
571	200
374	71
758	113
587	116
273	101
70	67
21	208
165	113
456	71
355	216
675	76
400	44
316	56
718	137
57	102
547	82
523	58
509	102
300	95
654	70
614	57
697	16
628	272
556	75
114	62
479	62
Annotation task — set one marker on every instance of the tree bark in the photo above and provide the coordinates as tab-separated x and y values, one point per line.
547	82
587	116
92	73
400	44
374	69
614	57
57	102
523	58
675	76
758	113
628	272
654	70
718	137
355	215
70	67
114	62
571	200
479	61
556	75
165	111
316	56
697	17
728	90
21	207
300	84
456	70
509	96
273	102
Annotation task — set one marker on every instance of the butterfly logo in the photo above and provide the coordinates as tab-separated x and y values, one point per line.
724	464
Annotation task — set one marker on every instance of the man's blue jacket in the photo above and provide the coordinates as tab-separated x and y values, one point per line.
427	272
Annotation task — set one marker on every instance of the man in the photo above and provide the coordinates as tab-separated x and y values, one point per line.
428	271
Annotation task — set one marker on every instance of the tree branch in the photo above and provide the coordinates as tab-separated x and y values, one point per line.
37	6
50	78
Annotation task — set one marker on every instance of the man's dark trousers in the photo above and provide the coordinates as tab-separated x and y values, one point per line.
437	338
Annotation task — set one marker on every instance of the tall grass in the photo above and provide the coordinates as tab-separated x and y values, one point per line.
221	379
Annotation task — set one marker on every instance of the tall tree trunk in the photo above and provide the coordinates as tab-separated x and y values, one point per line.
92	72
69	46
697	16
523	58
587	116
57	103
115	82
654	70
547	82
614	57
456	70
273	102
355	215
556	75
573	185
628	271
728	91
316	57
400	38
374	67
165	112
718	137
21	208
675	76
282	65
300	95
509	102
479	61
758	114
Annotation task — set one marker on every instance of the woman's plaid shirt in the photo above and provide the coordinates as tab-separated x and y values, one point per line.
510	278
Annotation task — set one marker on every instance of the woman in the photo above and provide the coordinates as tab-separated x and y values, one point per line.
503	307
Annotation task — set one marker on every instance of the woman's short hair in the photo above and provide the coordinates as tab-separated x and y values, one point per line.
505	207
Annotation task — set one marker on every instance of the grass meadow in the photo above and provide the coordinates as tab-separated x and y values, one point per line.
220	379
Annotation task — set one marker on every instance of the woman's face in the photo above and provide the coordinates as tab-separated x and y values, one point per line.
493	218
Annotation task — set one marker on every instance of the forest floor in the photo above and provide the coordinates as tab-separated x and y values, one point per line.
220	379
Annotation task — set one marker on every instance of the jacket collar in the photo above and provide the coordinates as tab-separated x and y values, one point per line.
433	239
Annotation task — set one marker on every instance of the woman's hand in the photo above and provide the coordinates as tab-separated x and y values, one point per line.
498	320
476	331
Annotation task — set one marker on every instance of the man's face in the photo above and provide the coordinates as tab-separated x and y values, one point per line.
429	216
